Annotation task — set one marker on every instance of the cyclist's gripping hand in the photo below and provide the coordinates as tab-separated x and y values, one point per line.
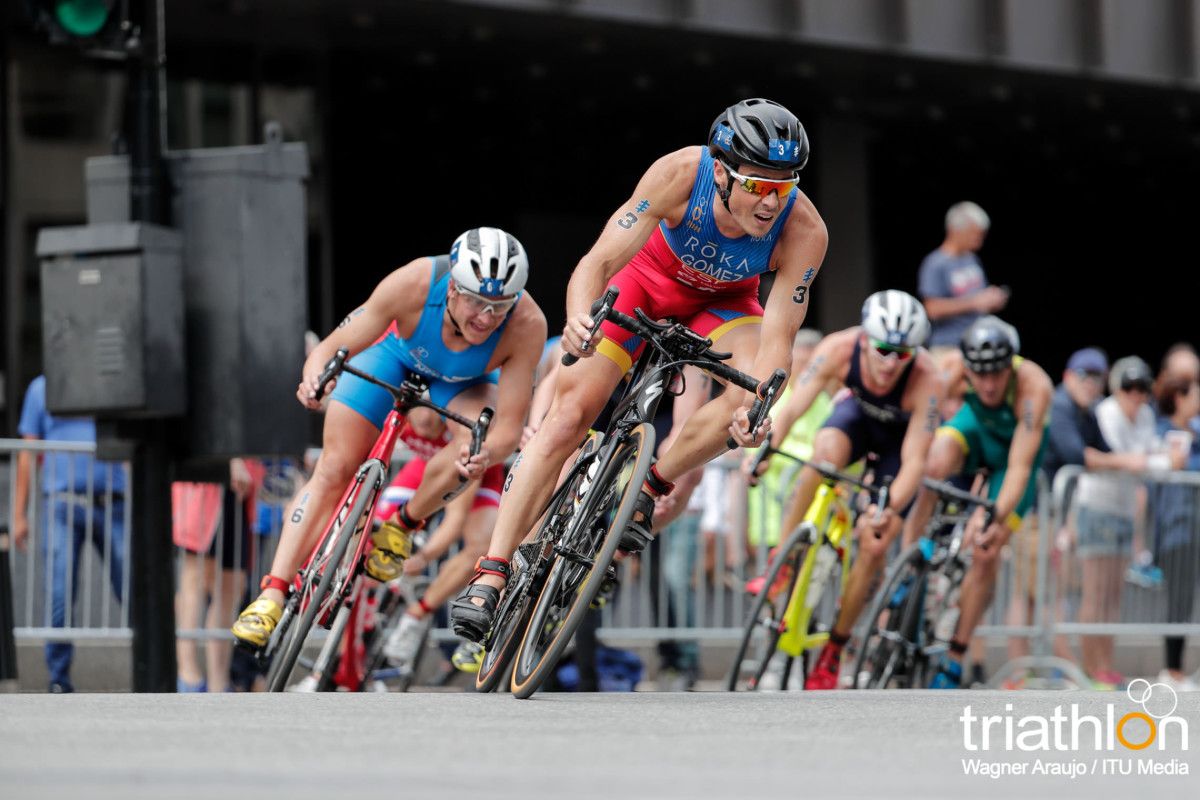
470	466
984	537
577	335
306	392
739	428
876	522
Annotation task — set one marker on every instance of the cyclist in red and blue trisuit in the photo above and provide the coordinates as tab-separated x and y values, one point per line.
691	242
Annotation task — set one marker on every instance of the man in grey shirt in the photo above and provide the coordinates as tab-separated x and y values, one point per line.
951	282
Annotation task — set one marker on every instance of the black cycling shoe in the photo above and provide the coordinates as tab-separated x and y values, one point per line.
639	532
470	620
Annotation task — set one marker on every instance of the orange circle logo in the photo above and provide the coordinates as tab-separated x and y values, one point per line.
1149	723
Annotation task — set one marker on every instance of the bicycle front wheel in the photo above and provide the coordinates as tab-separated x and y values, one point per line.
886	654
583	556
513	613
360	504
764	623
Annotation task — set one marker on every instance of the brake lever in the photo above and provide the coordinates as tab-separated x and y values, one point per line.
479	432
600	310
881	502
762	404
332	369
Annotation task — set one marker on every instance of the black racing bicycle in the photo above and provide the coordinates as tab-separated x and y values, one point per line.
559	572
915	610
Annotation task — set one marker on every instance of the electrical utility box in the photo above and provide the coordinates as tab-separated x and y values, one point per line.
242	214
113	320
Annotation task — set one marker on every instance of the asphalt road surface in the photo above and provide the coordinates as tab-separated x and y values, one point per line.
829	744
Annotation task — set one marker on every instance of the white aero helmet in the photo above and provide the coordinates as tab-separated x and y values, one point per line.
896	318
490	262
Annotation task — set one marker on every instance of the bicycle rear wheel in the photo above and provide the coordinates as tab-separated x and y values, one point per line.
360	503
886	654
582	558
764	623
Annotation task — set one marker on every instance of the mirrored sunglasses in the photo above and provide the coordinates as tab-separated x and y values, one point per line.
477	303
885	350
763	186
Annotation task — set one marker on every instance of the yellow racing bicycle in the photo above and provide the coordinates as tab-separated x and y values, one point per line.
794	609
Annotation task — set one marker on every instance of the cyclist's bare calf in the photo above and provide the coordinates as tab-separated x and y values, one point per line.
347	440
454	574
581	394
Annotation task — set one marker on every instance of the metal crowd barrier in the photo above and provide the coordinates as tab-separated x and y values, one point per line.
1142	599
74	563
689	586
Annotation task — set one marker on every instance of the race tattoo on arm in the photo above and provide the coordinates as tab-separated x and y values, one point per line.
800	294
1027	414
631	218
509	478
298	514
350	316
931	415
811	370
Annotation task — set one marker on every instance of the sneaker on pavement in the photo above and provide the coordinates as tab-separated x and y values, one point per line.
824	674
405	641
1184	684
1108	680
772	677
185	687
949	675
307	684
673	680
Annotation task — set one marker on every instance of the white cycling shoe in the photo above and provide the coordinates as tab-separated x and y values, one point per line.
405	640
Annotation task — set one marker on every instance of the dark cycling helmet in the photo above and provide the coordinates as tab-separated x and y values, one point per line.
761	133
989	345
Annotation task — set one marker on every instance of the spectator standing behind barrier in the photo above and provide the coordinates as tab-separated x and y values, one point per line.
951	282
1180	360
1108	506
212	525
1071	408
81	497
1177	518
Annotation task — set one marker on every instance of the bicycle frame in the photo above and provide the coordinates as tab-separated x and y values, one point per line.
377	463
828	519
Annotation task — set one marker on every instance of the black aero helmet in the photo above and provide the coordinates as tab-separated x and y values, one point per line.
989	345
761	133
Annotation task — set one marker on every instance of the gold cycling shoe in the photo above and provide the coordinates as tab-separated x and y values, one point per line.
257	622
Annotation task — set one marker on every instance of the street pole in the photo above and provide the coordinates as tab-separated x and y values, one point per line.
8	646
152	584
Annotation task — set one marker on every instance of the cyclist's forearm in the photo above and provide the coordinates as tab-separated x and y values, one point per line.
904	487
446	534
918	516
1016	478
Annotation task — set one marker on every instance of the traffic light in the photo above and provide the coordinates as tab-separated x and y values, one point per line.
93	25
